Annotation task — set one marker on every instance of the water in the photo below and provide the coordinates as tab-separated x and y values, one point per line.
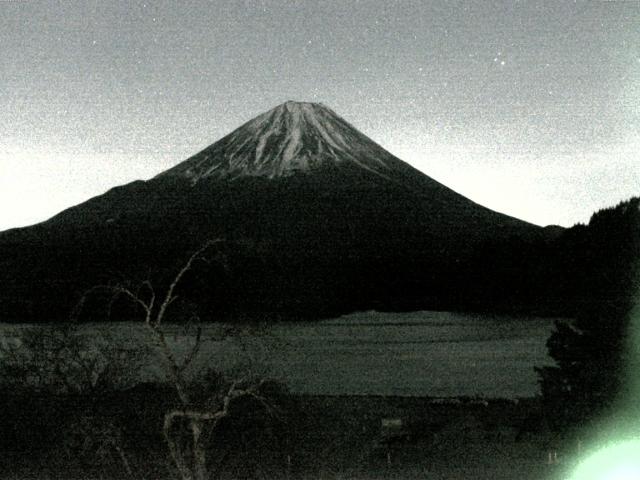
418	353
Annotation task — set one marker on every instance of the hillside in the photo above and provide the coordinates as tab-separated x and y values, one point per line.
317	219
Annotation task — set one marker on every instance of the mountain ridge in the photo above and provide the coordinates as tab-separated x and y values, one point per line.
320	220
293	137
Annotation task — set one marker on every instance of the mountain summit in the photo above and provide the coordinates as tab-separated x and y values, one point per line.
290	138
317	218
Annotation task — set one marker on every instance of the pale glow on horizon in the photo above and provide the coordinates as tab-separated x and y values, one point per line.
540	195
38	185
552	188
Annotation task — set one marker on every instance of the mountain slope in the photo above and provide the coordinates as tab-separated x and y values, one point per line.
318	220
293	137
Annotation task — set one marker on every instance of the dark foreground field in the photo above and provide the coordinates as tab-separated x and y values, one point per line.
311	437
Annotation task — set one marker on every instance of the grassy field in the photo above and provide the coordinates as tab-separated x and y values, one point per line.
371	396
439	354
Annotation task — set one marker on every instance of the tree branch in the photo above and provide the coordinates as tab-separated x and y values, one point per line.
169	296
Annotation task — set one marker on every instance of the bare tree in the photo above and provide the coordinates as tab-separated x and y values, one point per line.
200	416
61	359
60	362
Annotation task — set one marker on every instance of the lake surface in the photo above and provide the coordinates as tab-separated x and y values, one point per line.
419	353
438	354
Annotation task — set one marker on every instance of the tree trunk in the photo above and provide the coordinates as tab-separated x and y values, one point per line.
199	453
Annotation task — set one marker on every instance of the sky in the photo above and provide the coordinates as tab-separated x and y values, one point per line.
530	108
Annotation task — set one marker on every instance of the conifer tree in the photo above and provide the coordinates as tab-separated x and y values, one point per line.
592	353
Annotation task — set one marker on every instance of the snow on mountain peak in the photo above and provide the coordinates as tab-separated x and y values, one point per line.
291	138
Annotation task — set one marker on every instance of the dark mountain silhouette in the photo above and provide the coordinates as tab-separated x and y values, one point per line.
317	219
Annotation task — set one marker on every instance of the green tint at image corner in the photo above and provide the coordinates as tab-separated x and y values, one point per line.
620	461
633	362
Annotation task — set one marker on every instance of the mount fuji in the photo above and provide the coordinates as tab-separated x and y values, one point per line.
317	220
